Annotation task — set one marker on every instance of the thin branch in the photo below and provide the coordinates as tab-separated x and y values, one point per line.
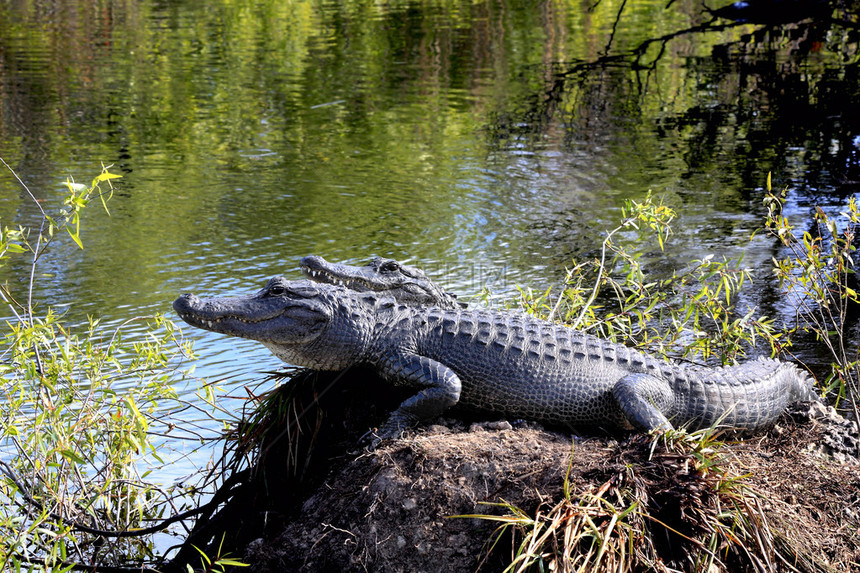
81	567
24	185
614	27
600	270
13	477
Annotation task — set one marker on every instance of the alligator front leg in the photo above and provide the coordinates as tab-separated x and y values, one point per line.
441	390
644	400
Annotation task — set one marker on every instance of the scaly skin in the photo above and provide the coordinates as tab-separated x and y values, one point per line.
407	284
508	363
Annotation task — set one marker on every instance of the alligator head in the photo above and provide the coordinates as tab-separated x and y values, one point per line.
408	285
298	321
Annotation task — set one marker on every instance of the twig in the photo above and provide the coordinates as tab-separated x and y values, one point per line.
66	565
24	185
600	270
614	27
13	477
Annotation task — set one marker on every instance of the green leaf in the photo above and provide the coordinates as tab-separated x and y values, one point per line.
230	561
75	238
72	456
203	555
105	176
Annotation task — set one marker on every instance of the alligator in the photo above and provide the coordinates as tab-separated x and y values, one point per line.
508	363
407	284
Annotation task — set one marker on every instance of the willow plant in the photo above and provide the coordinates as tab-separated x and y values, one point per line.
81	411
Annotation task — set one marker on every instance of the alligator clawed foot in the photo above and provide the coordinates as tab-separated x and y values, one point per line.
370	440
375	436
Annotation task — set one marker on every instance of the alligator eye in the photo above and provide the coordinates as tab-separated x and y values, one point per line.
389	266
277	290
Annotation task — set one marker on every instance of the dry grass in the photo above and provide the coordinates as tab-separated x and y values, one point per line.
683	506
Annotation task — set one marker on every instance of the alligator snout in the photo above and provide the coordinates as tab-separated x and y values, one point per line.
185	303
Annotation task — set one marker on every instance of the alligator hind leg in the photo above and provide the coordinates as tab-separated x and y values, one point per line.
645	400
441	390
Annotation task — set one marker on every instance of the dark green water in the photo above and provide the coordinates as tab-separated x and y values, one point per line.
479	140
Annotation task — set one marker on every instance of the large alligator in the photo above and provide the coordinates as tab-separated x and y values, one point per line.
407	284
508	363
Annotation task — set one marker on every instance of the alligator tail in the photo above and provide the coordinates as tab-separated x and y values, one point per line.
805	390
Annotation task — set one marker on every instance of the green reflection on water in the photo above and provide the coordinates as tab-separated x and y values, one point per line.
253	133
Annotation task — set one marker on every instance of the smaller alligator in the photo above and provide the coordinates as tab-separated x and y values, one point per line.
503	362
409	285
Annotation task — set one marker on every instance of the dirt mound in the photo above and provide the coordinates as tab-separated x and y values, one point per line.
302	496
772	503
392	508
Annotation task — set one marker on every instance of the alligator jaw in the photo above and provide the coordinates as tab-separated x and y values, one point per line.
210	312
408	285
323	276
262	319
293	319
320	270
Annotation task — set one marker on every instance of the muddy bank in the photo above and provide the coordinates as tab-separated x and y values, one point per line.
781	501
